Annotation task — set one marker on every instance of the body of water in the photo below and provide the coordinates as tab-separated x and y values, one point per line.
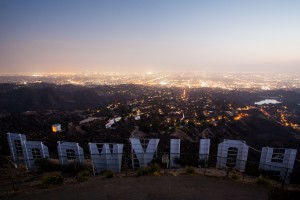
267	101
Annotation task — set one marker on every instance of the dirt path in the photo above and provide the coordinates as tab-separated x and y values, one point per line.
165	187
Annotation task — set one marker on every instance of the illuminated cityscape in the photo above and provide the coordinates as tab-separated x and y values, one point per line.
149	99
228	81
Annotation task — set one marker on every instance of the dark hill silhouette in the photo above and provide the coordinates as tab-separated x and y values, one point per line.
53	97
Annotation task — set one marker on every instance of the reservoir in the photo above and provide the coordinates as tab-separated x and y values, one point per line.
267	101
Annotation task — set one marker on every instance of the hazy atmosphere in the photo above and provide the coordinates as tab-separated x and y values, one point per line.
150	99
139	36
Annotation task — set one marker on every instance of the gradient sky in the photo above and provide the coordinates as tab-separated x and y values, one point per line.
38	36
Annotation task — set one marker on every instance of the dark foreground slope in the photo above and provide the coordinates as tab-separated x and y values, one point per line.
165	187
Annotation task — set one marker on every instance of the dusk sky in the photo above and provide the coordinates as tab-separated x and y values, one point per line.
40	36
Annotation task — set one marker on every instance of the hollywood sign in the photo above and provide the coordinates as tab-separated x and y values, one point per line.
231	153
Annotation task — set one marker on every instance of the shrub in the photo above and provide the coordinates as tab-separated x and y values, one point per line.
274	175
52	180
73	169
45	165
142	171
108	174
234	175
190	171
264	182
174	173
156	173
154	169
83	176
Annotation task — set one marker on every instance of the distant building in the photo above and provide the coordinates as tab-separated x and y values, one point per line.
184	95
112	122
137	117
56	128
